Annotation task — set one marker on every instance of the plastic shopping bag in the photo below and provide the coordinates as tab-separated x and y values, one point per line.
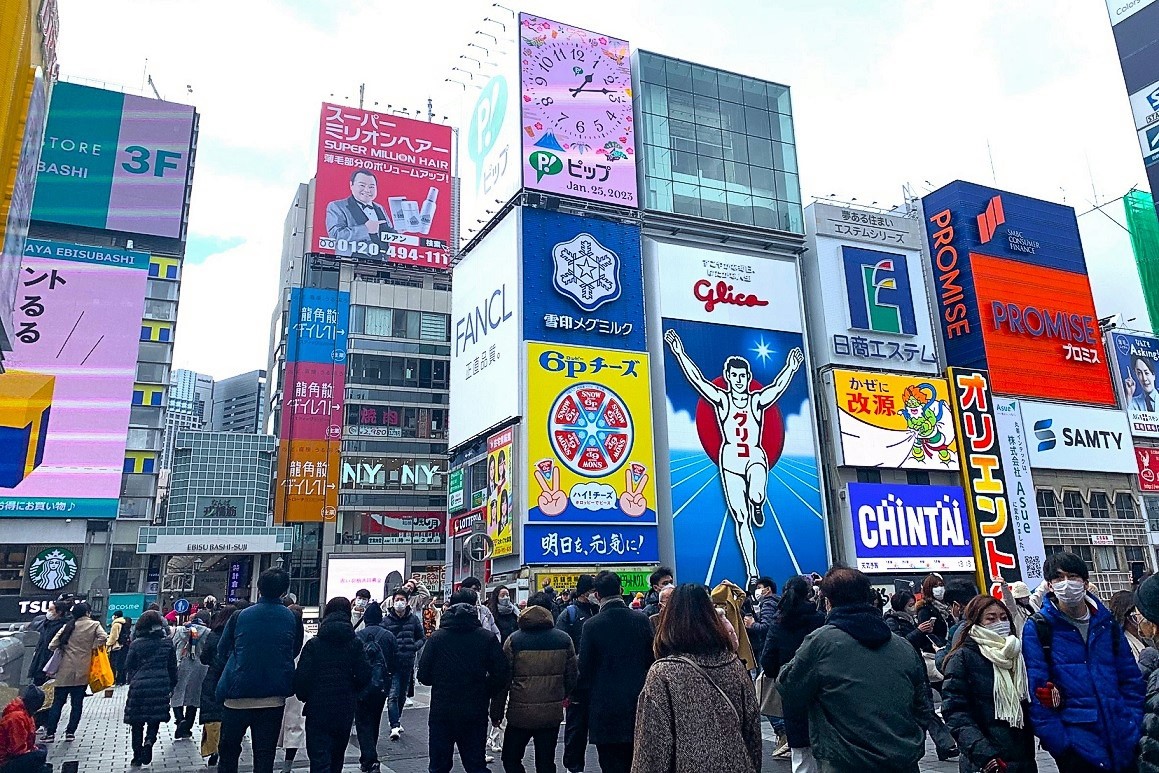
100	671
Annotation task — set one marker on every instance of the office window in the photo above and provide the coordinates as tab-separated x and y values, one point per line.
1125	506
1100	505
1134	554
1106	558
1072	504
1083	552
917	477
378	322
434	327
869	476
1047	503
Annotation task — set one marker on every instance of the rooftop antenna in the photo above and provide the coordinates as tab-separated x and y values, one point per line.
361	94
152	85
993	174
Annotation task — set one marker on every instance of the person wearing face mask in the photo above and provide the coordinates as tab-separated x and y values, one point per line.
764	610
408	637
657	581
55	620
358	607
934	616
503	610
984	698
571	621
1086	690
1122	606
900	619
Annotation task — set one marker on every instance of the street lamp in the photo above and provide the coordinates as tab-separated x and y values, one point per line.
197	564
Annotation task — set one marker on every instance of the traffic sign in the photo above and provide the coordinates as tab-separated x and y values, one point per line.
480	547
181	606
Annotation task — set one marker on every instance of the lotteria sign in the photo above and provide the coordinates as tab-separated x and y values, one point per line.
900	528
1013	293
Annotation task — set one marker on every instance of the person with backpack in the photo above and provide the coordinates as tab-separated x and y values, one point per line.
190	674
571	621
292	735
120	636
408	634
382	655
1087	692
330	676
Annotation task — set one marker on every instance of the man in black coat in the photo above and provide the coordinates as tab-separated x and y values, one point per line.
615	655
368	713
329	678
465	668
48	627
765	601
571	621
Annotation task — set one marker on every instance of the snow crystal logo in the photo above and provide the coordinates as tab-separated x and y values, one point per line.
586	271
53	568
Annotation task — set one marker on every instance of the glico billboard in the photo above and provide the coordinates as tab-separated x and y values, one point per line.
1013	293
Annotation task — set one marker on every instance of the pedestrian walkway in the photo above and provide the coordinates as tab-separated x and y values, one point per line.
102	746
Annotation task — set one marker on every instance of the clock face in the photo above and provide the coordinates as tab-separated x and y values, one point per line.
576	89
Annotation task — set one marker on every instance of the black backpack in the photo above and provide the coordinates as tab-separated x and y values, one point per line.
125	635
379	676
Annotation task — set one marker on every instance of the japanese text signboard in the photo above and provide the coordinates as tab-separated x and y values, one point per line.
66	393
114	161
1136	365
383	190
887	420
500	507
590	456
984	477
582	281
1148	459
578	136
1020	486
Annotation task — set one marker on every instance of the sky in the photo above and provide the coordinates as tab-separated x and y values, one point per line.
888	96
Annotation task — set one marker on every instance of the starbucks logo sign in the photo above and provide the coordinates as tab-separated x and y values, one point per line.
53	568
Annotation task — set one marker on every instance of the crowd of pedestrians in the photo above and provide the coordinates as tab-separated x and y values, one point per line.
845	676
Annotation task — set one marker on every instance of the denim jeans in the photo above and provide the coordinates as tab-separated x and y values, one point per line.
399	681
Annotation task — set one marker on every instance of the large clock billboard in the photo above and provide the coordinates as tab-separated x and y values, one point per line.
578	137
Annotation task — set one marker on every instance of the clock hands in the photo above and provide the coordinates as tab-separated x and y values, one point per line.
588	79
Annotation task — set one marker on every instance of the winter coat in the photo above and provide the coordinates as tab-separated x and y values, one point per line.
190	670
43	654
487	620
1102	690
17	731
763	615
464	666
507	624
968	710
256	652
684	725
386	643
115	634
151	668
614	658
542	663
865	692
332	672
293	732
939	637
1149	743
78	653
211	708
408	635
731	599
905	627
782	641
571	620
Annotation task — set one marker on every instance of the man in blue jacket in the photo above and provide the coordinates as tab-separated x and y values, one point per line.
256	658
1086	702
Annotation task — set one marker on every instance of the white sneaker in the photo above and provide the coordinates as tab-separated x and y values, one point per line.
409	702
400	730
395	732
782	750
488	759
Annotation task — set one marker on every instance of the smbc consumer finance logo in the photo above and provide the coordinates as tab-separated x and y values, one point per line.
53	568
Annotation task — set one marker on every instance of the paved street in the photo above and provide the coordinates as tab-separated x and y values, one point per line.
102	746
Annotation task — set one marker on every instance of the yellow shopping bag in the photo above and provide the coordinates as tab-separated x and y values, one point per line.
100	671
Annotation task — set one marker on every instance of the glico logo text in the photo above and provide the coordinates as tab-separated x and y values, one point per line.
1043	323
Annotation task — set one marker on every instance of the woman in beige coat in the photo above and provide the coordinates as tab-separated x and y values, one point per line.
75	643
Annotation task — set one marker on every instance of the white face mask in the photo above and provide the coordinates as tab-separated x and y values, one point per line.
940	592
399	606
1069	592
1001	627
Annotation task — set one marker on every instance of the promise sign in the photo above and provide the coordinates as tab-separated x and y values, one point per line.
983	476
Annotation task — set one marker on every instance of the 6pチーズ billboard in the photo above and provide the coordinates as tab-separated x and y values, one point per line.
591	490
114	161
1136	359
67	390
578	137
887	420
383	188
899	528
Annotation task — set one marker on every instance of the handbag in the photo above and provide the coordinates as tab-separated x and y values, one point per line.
719	689
768	696
53	664
100	671
932	672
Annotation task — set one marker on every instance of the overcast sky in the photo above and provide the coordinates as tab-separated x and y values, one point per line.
885	94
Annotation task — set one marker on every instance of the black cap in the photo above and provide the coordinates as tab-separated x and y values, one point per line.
33	698
584	584
1147	598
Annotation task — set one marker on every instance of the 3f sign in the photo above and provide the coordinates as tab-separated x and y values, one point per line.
139	162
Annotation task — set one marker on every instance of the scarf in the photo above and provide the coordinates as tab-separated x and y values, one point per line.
1010	682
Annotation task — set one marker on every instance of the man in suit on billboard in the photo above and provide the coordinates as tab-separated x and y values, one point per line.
357	218
1142	375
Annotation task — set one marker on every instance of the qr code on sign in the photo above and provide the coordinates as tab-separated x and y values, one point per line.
1033	568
